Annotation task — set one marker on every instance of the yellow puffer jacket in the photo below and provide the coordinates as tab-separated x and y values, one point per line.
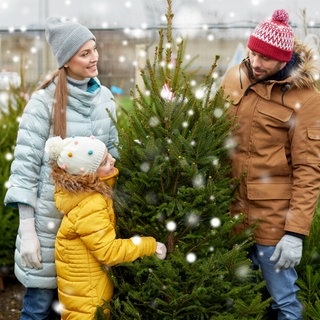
85	242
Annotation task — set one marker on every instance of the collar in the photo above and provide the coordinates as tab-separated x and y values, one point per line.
81	84
93	85
286	71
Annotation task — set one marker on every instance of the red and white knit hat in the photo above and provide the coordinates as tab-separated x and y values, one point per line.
274	37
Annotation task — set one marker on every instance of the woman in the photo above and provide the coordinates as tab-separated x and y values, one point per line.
71	102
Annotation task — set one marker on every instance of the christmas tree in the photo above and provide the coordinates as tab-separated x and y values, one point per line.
175	185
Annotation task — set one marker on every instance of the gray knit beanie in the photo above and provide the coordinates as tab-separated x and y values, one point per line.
65	38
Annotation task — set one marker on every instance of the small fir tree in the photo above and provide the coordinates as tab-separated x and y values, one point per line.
175	185
309	272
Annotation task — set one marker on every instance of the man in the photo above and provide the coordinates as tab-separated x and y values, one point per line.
276	109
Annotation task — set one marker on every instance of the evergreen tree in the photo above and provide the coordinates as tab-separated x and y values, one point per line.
309	272
175	185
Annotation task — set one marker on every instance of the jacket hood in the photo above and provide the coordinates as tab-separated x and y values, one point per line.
308	68
111	179
77	187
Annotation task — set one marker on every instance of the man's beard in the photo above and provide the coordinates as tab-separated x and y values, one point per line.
250	71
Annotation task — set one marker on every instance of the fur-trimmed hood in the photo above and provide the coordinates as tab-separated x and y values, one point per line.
82	184
307	71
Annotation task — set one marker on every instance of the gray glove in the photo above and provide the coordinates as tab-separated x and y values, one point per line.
288	252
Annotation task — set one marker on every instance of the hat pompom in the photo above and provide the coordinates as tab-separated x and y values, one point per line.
54	147
281	16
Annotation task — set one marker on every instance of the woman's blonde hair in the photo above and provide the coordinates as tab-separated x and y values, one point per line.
60	101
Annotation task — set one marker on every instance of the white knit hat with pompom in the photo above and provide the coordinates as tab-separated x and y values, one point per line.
77	155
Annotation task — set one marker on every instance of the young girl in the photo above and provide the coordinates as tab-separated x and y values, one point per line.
86	239
71	102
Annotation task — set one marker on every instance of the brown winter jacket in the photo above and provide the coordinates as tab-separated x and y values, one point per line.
276	152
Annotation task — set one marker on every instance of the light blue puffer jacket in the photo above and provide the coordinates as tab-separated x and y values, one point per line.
30	181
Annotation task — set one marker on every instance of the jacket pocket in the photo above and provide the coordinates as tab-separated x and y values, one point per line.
314	133
269	191
275	111
314	145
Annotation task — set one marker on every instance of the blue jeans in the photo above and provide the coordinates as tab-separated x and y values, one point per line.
280	284
37	304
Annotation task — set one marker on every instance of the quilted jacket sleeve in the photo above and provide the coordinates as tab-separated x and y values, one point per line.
96	229
29	151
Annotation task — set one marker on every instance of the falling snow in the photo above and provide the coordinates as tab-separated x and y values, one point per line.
215	222
136	240
192	219
9	156
198	181
196	17
191	257
145	166
243	272
171	226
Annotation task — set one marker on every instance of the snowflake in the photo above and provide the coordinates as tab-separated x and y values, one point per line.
192	219
145	167
9	156
136	240
153	121
191	257
51	225
198	181
242	272
171	226
215	222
